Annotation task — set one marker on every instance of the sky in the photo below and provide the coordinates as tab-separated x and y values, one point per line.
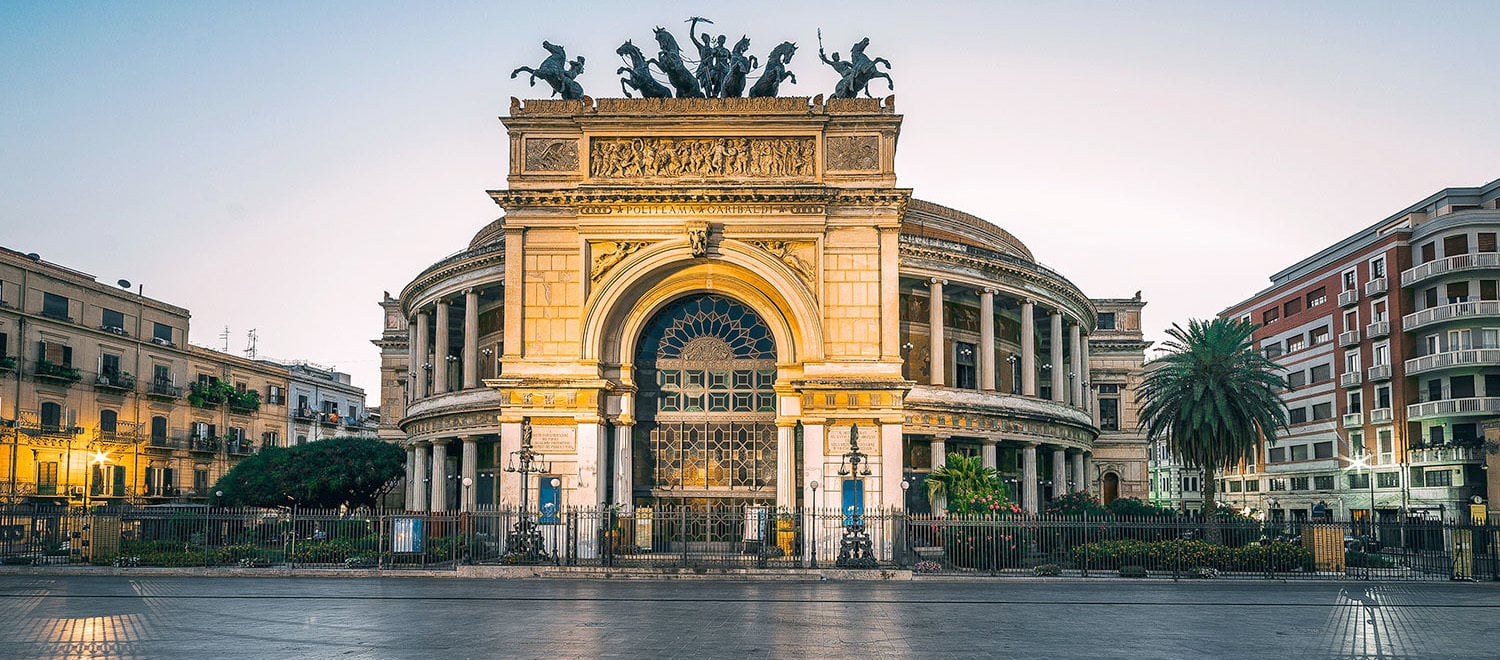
277	165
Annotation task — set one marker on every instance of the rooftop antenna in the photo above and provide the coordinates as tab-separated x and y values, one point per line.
250	348
224	337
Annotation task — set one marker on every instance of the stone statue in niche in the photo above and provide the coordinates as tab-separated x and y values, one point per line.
558	72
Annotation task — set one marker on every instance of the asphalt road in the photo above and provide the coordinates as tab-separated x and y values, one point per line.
203	617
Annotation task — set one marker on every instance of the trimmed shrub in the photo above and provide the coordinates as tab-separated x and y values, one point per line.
1189	555
1049	570
1133	571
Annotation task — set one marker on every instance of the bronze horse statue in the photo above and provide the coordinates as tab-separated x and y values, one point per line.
670	62
639	75
740	66
775	72
856	73
558	72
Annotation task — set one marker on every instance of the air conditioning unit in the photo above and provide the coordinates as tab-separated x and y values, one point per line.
161	342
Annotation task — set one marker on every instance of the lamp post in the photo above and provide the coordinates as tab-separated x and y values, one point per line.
88	477
524	545
855	548
1362	463
814	486
1015	382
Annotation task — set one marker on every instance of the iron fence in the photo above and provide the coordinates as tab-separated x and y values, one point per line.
746	537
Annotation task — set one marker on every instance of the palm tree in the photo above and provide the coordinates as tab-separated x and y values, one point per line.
1212	398
960	478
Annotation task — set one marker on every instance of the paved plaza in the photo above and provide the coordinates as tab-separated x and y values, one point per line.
189	617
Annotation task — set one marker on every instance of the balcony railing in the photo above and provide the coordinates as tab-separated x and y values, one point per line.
1347	298
1349	338
1376	286
1351	379
164	390
305	415
239	447
1453	264
1379	372
162	443
1447	455
1478	405
203	444
1467	357
1452	311
1354	420
1380	416
57	373
7	364
1378	329
114	382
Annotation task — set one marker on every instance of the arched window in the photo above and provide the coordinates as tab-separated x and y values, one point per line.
109	421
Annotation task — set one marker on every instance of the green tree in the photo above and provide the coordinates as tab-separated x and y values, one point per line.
968	486
323	474
1212	399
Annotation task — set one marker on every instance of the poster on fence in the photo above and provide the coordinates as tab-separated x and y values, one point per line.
406	535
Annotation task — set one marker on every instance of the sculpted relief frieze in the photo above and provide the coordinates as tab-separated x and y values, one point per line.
718	157
551	155
608	254
795	254
853	153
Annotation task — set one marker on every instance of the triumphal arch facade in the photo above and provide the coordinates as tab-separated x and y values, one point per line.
708	301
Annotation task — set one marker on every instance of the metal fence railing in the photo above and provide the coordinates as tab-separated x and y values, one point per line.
747	536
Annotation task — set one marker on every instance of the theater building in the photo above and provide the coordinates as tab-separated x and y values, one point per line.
710	301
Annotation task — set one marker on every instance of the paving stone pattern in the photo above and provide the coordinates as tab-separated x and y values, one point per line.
98	616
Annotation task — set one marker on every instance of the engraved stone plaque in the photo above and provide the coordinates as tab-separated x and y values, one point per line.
853	153
549	439
838	440
551	155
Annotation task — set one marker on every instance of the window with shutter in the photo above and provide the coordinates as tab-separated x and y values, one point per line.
1429	252
1456	245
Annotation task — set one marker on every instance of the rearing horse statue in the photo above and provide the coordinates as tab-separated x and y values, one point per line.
670	62
775	72
740	66
857	72
639	75
558	72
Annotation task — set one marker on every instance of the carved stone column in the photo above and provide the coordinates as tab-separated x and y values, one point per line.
471	339
418	365
440	352
939	359
468	481
1029	495
1028	347
1076	366
987	340
412	478
1086	378
1088	469
440	475
1079	485
987	453
1055	341
624	486
939	459
1059	471
422	490
786	465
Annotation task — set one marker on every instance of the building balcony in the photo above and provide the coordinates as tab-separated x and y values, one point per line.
239	447
1354	420
1350	338
114	382
206	445
164	391
1455	264
1380	416
1447	455
59	374
1457	494
1379	372
1378	329
1348	298
1351	379
1465	358
305	415
1376	286
162	444
7	364
1478	405
1451	312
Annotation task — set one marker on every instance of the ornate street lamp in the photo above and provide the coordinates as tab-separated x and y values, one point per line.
524	544
855	548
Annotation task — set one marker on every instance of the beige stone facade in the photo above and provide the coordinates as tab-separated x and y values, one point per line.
1117	351
103	401
698	300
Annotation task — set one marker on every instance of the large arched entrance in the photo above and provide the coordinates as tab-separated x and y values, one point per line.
706	408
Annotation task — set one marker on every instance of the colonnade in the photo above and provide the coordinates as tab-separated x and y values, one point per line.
427	470
1070	467
431	356
1074	369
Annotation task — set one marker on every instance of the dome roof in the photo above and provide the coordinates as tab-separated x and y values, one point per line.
489	234
936	221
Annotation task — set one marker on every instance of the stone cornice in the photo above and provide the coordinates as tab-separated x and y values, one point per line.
488	255
609	196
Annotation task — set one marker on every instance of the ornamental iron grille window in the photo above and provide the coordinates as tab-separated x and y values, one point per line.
706	365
